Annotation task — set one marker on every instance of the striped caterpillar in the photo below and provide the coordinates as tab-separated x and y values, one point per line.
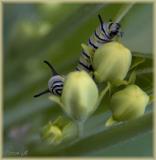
104	33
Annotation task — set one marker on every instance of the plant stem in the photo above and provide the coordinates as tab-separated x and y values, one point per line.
80	128
102	94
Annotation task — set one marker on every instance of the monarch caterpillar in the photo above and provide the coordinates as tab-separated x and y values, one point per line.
55	83
104	33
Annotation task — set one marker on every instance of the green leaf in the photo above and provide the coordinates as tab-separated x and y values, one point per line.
103	138
111	136
138	28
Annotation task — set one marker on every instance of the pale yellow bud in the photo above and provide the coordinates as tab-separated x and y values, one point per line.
111	62
52	134
59	131
128	103
79	96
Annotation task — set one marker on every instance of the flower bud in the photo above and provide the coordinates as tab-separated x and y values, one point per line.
79	96
59	131
111	62
128	103
51	134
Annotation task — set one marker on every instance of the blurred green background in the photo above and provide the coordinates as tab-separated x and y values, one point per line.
36	32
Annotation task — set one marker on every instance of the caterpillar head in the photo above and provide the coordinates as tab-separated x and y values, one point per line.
112	28
55	83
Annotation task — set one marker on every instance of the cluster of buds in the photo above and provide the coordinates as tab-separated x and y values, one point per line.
111	63
80	96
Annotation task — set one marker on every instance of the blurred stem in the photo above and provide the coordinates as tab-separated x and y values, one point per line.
123	12
80	125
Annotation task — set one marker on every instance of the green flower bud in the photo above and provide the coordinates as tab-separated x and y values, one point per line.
60	130
52	134
111	62
128	103
79	96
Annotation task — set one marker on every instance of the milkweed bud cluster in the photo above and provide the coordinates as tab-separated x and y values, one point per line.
111	63
102	62
80	96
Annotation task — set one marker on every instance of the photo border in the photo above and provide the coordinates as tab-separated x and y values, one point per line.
1	71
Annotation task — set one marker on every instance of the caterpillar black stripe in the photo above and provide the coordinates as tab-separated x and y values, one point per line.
104	33
55	83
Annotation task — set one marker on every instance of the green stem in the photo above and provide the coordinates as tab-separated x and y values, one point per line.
102	94
80	128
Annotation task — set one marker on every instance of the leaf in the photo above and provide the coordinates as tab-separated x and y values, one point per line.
111	136
138	28
56	99
136	62
103	138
